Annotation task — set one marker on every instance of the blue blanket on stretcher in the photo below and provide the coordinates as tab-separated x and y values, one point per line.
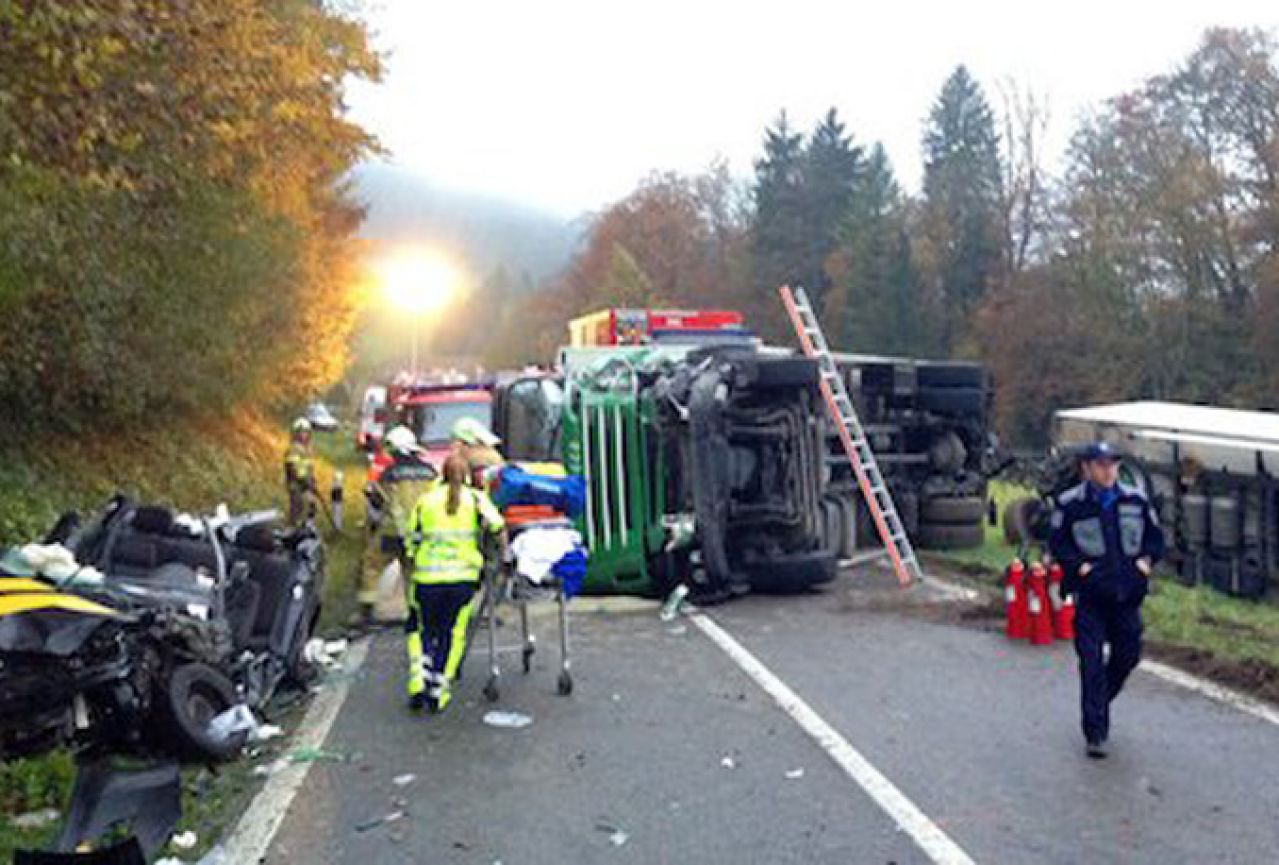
518	487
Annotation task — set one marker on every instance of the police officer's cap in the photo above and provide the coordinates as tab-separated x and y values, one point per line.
1100	451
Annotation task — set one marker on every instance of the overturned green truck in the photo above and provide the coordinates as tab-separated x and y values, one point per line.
709	458
702	463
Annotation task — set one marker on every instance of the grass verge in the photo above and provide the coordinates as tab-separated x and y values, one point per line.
193	466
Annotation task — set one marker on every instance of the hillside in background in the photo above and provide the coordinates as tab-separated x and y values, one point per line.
485	232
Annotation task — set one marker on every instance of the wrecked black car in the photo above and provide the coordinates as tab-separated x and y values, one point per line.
169	623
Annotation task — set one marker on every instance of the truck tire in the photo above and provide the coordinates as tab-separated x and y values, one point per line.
934	536
950	375
1020	516
953	400
790	372
847	527
709	447
193	696
794	573
957	511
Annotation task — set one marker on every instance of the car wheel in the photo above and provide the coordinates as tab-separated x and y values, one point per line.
956	511
794	573
194	695
935	536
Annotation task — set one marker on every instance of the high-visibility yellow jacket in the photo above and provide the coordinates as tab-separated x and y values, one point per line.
444	547
299	465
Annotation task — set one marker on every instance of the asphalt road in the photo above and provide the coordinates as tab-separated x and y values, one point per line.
981	736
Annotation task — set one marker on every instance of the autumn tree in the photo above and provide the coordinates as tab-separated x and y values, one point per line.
179	180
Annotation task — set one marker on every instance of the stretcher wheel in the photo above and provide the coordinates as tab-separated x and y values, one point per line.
565	684
491	692
528	659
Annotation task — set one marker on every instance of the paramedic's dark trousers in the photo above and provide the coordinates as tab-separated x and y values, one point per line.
1099	622
438	619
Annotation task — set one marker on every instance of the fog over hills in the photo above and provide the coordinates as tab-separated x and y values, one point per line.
484	231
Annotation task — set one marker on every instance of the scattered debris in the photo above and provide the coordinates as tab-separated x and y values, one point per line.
265	732
674	601
235	720
404	780
325	653
184	840
794	774
677	630
271	768
1147	787
35	819
616	836
509	720
379	821
617	698
728	763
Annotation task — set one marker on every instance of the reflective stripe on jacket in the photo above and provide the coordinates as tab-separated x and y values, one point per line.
444	547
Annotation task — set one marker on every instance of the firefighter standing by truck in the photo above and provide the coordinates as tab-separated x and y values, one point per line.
392	497
1107	538
443	541
299	473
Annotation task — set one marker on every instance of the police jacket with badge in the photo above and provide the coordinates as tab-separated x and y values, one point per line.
1109	529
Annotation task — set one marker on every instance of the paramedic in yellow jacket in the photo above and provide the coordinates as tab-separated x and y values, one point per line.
393	495
444	537
299	473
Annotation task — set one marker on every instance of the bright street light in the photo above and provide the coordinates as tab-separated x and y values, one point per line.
418	281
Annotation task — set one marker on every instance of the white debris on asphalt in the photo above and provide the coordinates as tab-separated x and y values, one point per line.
184	840
404	780
325	653
35	819
619	838
728	763
678	630
509	720
794	774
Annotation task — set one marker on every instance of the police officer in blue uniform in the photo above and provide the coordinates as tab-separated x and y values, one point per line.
1106	537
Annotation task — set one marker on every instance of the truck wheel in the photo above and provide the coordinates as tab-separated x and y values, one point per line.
953	400
193	696
950	375
934	536
957	511
785	372
847	527
1019	520
794	573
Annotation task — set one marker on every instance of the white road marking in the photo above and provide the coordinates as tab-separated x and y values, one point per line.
1212	691
252	836
935	843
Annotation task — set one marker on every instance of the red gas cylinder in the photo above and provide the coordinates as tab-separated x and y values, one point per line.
1041	614
1015	597
1063	607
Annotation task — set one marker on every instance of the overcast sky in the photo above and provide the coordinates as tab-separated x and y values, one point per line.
564	105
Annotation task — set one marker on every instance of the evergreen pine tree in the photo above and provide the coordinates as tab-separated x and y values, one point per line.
832	167
963	187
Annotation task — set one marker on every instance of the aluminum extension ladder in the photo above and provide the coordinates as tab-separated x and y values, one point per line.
869	477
